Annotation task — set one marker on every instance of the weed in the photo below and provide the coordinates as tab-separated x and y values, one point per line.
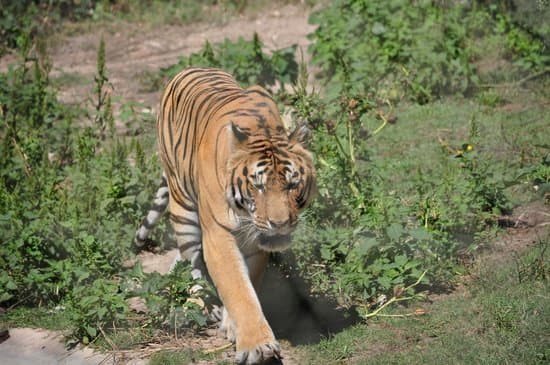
174	300
170	357
534	266
414	53
70	203
497	320
245	60
103	119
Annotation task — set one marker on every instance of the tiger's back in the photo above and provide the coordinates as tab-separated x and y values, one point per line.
189	102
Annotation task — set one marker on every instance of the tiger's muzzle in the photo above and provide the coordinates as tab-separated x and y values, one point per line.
275	235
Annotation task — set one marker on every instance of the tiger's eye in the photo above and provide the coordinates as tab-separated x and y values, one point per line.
259	186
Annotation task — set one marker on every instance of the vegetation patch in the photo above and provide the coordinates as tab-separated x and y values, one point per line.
496	319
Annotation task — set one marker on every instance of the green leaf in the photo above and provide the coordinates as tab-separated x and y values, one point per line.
420	234
101	312
364	245
5	296
401	260
11	285
92	331
384	282
327	253
394	231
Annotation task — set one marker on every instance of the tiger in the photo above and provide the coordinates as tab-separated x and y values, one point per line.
234	182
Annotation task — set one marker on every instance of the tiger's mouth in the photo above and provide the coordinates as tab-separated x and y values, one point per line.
276	242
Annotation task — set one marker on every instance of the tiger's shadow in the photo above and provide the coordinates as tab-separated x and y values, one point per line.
293	313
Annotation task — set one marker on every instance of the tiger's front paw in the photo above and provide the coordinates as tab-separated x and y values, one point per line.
267	353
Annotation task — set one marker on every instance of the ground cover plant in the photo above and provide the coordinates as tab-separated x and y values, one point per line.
420	148
71	199
500	318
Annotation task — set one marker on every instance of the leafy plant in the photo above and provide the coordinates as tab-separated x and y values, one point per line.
391	49
174	300
26	20
104	114
358	257
527	49
95	309
65	234
245	60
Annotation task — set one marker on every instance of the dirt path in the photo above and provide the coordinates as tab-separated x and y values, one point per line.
131	51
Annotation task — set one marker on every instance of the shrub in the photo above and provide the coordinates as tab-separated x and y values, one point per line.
245	60
392	49
71	199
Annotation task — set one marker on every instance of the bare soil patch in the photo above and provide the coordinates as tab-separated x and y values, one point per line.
133	49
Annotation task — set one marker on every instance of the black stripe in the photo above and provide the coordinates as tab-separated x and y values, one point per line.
149	225
259	92
183	204
159	207
190	245
306	190
280	152
183	220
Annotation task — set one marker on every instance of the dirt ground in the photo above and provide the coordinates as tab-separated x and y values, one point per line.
131	50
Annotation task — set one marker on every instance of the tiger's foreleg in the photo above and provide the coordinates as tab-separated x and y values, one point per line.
256	263
228	270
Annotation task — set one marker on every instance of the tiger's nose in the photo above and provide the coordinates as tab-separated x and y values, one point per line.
273	223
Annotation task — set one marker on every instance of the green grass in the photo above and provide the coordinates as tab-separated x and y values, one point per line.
172	358
511	139
52	319
494	319
182	357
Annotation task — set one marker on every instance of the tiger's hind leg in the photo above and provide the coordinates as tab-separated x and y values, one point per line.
153	216
185	224
188	237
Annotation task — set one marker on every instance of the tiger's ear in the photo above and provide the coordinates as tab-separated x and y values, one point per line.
300	134
239	133
239	138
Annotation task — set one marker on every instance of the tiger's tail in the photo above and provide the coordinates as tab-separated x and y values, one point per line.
151	219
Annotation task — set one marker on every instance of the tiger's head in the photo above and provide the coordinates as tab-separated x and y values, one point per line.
272	179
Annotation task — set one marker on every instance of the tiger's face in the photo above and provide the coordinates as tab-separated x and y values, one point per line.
272	181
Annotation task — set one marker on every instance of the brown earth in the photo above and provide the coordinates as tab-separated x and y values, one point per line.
134	49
